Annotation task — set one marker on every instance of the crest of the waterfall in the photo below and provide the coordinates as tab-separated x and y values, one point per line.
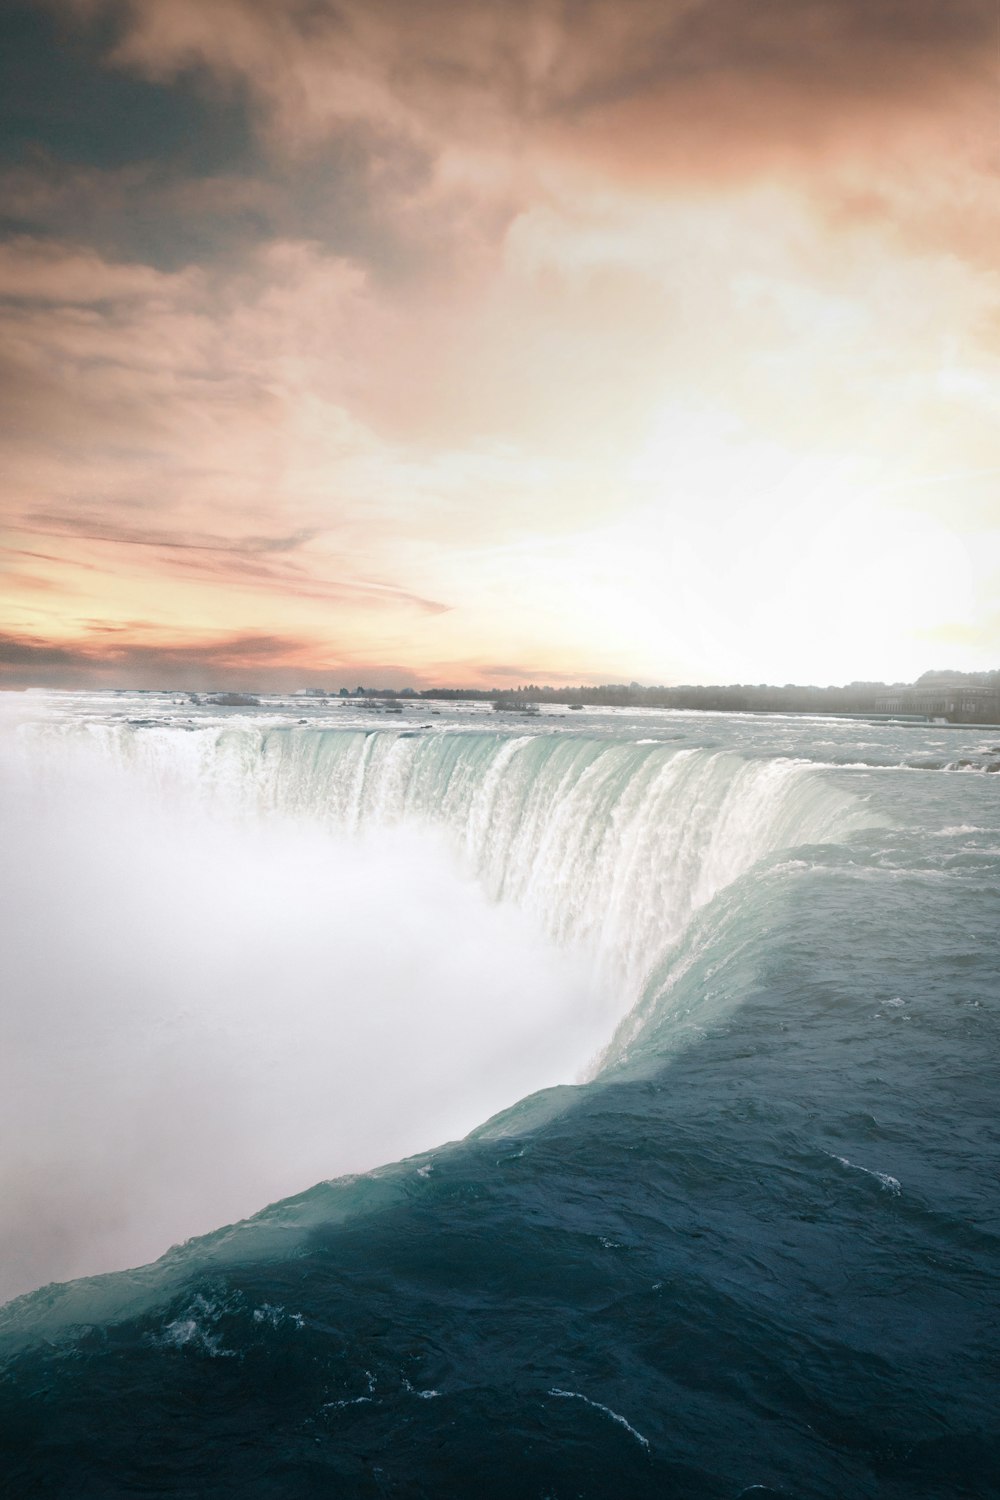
610	846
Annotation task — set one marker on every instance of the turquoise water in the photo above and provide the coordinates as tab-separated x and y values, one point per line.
726	988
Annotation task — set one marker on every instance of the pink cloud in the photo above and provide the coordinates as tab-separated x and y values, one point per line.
145	656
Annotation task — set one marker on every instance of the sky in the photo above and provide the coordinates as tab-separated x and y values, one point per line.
479	342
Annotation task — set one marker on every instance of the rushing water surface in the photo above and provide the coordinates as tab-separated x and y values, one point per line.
623	1085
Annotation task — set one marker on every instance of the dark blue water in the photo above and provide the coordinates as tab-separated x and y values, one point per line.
762	1248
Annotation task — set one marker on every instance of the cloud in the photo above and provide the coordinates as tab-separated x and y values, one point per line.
533	673
234	560
481	285
33	270
444	69
253	660
21	651
118	379
423	132
88	531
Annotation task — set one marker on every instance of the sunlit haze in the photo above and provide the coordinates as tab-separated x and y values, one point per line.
415	343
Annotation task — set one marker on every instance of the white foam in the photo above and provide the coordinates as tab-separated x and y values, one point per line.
202	1018
614	1415
368	1400
889	1184
277	1317
194	1330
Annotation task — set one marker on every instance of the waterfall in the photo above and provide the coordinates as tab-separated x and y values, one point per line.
610	845
245	959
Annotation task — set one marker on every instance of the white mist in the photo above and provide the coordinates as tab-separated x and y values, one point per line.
202	1016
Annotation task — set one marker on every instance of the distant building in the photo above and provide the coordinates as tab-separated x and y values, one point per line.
959	702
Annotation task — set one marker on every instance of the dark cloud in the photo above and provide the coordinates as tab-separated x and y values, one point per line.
440	59
60	98
833	46
724	91
161	213
169	172
170	133
24	651
96	658
166	131
267	663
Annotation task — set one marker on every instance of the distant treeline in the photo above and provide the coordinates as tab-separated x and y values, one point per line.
972	697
